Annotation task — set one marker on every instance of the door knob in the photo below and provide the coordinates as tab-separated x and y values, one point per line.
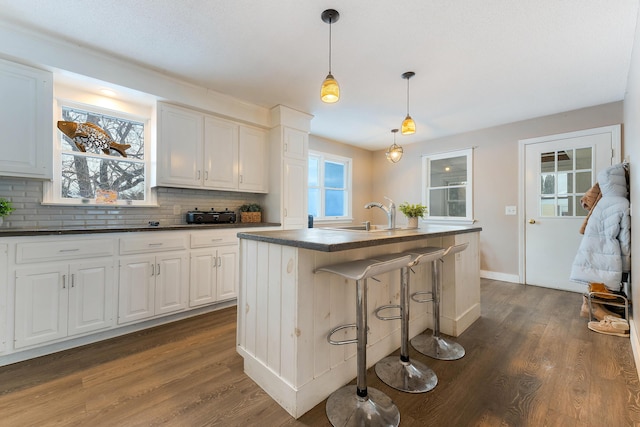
532	221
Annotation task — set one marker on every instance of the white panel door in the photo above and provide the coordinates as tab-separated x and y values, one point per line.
41	308
180	139
253	160
227	266
137	288
202	286
559	169
25	119
220	154
172	275
295	194
90	296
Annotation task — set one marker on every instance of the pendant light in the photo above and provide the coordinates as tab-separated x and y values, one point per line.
408	125
330	91
394	153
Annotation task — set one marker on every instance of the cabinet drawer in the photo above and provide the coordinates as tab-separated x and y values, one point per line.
205	239
63	249
155	243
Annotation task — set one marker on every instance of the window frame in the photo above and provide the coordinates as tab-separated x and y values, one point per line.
348	163
52	189
426	187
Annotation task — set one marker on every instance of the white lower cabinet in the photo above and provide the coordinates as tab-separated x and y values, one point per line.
214	275
61	300
152	285
57	292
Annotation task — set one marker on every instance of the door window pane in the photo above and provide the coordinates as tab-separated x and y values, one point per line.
583	182
584	159
561	185
565	160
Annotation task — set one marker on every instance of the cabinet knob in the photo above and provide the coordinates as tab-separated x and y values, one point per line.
532	221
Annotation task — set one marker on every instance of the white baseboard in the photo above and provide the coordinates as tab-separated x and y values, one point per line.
635	344
503	277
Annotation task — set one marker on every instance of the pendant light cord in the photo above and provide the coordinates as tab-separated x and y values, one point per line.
408	95
330	22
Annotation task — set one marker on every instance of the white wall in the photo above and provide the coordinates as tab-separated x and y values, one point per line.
632	154
495	175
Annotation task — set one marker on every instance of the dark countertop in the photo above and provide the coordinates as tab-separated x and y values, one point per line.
95	229
333	240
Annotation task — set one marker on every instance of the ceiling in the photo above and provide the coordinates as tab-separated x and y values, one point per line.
478	63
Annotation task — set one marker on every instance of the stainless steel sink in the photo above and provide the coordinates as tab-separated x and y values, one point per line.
362	228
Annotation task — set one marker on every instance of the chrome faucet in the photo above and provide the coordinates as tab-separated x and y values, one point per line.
390	211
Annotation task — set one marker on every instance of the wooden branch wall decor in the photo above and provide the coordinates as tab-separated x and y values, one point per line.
91	136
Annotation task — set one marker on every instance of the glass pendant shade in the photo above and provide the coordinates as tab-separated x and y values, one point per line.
330	91
394	153
408	126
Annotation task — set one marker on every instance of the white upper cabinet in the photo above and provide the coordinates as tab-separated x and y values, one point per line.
220	154
26	118
180	142
295	143
200	151
252	163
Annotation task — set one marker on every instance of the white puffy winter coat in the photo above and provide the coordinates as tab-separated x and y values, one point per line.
605	250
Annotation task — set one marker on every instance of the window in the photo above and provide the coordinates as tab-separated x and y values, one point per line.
329	186
97	176
565	175
447	186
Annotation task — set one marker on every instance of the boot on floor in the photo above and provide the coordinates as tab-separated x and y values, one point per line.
599	310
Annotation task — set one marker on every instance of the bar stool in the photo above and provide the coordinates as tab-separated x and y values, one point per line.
357	405
435	345
401	372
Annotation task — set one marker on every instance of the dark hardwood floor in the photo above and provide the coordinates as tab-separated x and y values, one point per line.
531	361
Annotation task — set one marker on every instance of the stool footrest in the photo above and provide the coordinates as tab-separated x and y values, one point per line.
387	307
341	342
415	295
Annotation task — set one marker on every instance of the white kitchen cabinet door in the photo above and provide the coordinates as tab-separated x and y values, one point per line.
253	166
203	278
294	194
137	288
214	275
227	272
180	144
295	143
41	305
220	154
26	115
90	297
171	287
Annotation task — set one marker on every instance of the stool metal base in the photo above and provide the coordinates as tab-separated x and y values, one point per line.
410	377
345	408
437	347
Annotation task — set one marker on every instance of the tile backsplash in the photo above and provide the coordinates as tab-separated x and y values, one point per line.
173	204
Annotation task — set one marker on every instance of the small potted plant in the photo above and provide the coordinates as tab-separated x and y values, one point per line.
250	212
413	212
5	208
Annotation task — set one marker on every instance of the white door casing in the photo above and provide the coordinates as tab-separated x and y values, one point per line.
549	240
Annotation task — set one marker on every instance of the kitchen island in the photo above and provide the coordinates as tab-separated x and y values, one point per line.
285	310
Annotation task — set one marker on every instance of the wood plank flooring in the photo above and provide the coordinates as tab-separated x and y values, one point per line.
531	361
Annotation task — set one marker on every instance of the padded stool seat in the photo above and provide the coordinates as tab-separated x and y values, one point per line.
358	405
435	345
